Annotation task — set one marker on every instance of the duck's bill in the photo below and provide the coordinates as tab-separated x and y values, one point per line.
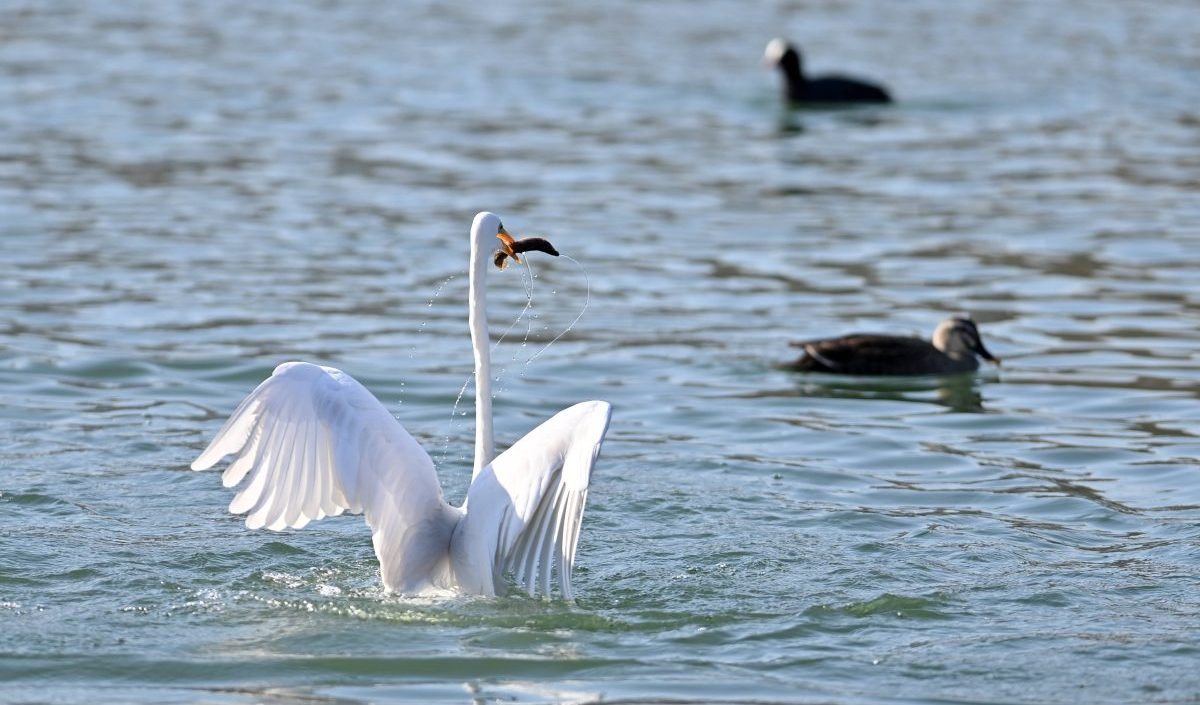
983	352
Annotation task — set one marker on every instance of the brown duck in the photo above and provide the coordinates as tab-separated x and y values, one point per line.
954	348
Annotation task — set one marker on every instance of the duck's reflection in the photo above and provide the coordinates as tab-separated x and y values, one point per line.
961	393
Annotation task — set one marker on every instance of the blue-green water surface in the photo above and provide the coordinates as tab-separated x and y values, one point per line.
193	192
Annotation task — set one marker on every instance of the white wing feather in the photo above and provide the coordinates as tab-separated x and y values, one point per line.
315	443
524	510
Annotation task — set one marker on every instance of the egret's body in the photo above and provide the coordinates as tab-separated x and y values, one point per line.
315	443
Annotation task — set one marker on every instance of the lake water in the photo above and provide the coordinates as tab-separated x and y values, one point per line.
191	193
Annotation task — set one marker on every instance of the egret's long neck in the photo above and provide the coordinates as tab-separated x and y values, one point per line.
481	342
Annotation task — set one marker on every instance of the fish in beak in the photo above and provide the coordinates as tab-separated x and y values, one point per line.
512	248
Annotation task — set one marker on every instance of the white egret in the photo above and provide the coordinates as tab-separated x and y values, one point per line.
315	443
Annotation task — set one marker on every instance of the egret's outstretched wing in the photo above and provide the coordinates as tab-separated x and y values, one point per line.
315	443
525	508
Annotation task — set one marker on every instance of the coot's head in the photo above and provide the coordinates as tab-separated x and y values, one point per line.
781	53
958	335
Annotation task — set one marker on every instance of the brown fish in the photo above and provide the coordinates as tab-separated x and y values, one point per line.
510	247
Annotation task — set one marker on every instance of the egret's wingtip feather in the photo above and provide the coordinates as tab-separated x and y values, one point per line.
541	482
210	456
236	431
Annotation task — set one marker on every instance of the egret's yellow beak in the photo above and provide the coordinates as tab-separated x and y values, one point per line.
506	244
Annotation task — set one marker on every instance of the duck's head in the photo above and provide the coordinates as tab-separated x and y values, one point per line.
958	335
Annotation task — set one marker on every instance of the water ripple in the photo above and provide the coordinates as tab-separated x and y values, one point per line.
194	193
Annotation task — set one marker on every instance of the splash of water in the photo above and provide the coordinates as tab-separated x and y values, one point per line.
499	379
527	282
412	349
454	412
445	450
587	299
